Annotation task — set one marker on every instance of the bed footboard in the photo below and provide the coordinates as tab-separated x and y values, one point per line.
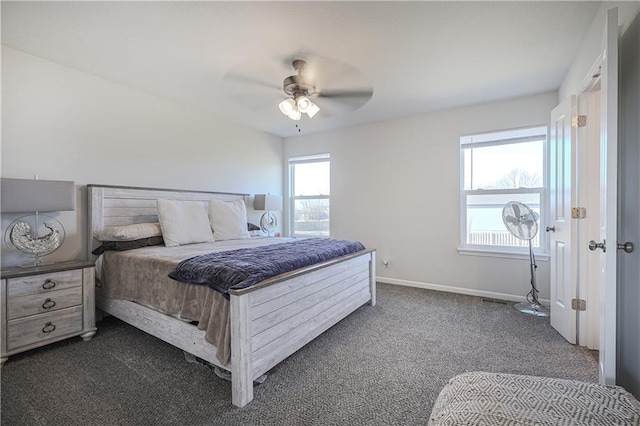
273	320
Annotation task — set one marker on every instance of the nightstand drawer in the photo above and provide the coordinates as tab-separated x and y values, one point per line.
38	303
37	328
43	283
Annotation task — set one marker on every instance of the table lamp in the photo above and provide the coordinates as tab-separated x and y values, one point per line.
34	196
268	202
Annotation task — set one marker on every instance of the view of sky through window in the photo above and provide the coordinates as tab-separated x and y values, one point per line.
312	179
494	166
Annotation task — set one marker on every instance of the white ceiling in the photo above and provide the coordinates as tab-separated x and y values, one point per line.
417	56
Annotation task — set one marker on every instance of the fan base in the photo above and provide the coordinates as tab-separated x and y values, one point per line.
532	309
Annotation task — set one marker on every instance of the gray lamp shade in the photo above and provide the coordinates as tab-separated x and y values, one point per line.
33	195
267	202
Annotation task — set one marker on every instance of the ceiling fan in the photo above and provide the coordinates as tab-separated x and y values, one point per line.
299	87
319	86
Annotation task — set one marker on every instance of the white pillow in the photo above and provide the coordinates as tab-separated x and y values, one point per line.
228	219
184	222
133	232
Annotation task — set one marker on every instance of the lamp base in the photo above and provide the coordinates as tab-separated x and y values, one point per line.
35	264
25	235
268	223
532	309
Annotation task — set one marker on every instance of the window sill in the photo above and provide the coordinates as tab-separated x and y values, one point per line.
466	251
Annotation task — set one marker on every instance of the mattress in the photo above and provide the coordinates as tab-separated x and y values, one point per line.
480	398
141	276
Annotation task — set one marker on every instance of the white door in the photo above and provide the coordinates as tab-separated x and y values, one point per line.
562	140
588	178
609	199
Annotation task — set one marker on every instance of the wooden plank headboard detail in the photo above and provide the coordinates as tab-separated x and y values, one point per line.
126	205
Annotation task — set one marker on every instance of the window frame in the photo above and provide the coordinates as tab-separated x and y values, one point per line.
292	162
498	138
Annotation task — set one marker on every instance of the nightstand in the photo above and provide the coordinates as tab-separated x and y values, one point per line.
45	304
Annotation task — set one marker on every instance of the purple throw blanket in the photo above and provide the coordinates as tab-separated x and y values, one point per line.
242	268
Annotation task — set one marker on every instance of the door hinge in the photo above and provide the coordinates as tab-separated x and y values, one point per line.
578	304
578	121
578	212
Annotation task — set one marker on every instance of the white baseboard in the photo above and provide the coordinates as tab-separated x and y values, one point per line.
459	290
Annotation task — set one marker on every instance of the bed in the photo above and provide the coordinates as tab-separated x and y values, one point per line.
257	342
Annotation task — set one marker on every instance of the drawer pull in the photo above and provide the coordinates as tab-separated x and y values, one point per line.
48	284
48	327
48	304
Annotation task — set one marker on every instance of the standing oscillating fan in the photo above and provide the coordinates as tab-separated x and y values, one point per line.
522	223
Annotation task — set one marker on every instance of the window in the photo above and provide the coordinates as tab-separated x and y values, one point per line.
309	196
497	168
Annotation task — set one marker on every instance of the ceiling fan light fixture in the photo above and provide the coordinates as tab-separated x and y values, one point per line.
295	114
299	87
287	106
312	110
303	103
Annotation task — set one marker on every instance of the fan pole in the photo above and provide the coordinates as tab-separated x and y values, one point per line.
522	223
533	306
534	269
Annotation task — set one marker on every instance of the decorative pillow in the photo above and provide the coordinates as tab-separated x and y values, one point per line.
184	222
129	232
228	219
127	245
254	230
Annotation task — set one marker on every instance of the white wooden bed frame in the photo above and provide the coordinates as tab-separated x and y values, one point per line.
269	321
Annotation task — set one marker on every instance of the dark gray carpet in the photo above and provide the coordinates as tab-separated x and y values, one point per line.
380	366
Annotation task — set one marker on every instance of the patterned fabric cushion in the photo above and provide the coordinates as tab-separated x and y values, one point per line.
479	398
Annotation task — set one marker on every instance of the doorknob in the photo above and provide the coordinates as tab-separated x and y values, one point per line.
627	247
550	229
593	245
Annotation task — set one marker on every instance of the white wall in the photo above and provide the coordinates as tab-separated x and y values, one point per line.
395	186
63	124
590	47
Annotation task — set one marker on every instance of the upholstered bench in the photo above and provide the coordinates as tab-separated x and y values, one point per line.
479	398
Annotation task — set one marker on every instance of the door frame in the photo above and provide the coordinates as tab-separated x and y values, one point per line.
609	218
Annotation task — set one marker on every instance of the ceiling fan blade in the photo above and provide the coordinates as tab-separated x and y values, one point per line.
336	106
333	102
366	93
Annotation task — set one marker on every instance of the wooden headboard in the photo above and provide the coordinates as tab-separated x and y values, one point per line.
126	205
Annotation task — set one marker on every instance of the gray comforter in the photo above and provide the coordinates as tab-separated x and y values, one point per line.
242	268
